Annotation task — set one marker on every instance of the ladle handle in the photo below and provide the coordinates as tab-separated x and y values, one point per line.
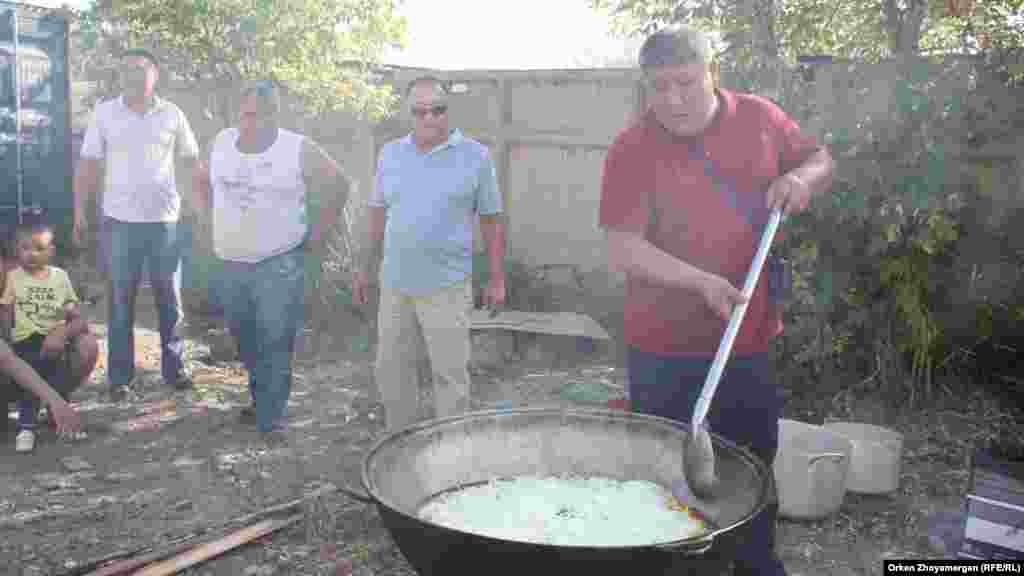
837	456
700	411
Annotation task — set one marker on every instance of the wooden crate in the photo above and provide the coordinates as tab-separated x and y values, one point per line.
994	504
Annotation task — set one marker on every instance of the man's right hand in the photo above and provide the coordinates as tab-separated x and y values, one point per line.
720	295
360	288
67	420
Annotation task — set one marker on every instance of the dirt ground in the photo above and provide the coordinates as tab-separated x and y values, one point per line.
167	465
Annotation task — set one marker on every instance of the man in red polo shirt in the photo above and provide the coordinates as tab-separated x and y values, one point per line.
686	193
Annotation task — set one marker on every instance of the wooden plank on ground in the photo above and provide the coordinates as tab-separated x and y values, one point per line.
556	323
209	550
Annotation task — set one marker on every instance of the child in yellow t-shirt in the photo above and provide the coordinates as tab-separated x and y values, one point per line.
48	333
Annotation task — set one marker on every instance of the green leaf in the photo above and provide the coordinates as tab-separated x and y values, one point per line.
892	233
840	136
904	97
920	72
823	289
857	201
916	102
927	245
839	199
952	106
360	343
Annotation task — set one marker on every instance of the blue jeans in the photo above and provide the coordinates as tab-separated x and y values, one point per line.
263	305
746	409
130	246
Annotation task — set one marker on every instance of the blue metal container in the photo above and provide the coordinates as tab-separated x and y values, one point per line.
35	117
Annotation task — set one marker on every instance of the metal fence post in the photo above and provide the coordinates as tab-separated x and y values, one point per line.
19	173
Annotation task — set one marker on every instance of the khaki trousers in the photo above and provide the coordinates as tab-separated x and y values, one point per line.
443	317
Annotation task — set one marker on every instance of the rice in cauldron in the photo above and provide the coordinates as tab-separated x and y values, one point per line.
566	511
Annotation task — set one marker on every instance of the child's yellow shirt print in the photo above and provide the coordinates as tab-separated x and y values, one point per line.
38	302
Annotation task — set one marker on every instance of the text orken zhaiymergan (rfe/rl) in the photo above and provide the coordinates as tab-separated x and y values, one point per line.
954	567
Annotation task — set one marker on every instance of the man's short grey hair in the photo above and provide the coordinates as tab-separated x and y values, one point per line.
266	92
427	79
677	46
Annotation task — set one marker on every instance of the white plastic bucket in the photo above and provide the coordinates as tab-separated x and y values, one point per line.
877	457
810	469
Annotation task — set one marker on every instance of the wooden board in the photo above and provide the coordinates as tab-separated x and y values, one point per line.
126	565
122	563
556	323
213	549
154	415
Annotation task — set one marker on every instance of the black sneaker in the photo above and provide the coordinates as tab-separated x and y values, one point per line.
247	415
119	394
182	382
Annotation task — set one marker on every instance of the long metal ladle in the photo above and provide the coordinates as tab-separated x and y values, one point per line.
698	454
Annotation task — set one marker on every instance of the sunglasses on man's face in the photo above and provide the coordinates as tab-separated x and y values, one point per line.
436	110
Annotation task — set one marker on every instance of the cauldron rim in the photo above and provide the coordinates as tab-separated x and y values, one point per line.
766	484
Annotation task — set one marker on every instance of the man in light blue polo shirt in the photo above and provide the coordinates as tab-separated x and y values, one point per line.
430	187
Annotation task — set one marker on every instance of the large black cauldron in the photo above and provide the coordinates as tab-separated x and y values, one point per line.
408	468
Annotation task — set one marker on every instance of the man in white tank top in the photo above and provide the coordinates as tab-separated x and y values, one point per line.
263	185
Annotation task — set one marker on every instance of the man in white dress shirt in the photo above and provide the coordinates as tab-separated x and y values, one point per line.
135	140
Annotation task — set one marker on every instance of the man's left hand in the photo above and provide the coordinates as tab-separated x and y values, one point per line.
789	193
494	295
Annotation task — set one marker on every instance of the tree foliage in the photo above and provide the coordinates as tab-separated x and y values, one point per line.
862	30
323	51
917	247
88	43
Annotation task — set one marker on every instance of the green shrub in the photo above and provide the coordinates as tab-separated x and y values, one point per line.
881	265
